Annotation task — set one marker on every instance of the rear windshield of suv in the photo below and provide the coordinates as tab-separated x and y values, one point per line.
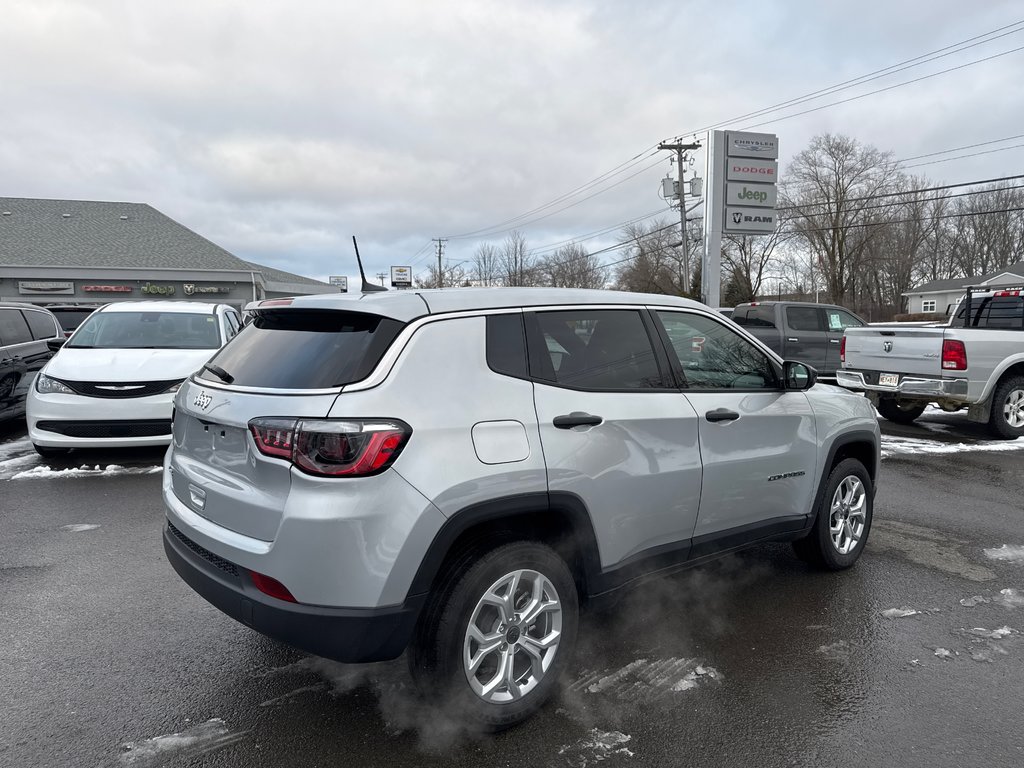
304	349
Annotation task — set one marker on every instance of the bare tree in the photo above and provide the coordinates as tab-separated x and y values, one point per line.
829	190
486	264
516	266
451	276
572	267
744	263
654	260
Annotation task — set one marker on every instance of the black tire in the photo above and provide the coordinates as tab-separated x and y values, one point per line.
437	659
1007	407
51	453
892	410
818	548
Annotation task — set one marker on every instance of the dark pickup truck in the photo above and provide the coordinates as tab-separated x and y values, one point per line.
810	333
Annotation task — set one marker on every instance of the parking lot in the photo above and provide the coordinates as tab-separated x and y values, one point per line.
912	658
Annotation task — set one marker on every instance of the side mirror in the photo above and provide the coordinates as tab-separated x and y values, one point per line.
55	344
798	376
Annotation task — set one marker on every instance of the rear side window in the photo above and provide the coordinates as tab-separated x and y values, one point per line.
803	318
758	317
506	345
13	328
42	325
305	349
995	312
596	350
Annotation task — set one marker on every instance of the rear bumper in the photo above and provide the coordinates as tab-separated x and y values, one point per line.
910	386
348	635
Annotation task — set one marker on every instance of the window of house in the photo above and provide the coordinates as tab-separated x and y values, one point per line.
928	305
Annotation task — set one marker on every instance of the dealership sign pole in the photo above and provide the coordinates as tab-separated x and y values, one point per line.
742	173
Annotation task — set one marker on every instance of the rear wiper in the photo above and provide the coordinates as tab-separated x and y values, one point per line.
219	372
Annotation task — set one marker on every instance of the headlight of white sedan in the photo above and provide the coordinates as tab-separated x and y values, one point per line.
47	386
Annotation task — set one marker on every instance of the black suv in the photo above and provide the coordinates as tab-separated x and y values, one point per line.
24	333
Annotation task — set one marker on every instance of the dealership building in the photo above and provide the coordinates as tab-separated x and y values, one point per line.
85	252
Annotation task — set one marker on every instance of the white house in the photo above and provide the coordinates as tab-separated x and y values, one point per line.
939	295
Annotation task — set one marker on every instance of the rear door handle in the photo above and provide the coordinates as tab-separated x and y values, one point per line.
721	414
833	341
792	339
576	419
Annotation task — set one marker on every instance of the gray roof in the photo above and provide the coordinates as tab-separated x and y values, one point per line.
273	275
958	283
83	233
409	304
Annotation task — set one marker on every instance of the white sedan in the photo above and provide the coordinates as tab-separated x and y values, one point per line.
113	383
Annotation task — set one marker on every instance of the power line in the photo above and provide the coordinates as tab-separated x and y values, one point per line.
915	191
960	46
964	157
958	149
883	90
892	69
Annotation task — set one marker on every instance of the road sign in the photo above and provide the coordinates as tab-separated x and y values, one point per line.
401	277
339	280
746	169
743	193
749	220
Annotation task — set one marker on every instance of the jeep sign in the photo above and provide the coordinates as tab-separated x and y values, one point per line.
741	193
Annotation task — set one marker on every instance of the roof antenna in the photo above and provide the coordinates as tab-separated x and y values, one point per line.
368	287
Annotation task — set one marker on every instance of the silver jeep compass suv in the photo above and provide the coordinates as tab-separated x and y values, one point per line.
456	472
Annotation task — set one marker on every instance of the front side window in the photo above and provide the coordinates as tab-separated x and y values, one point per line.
597	349
147	330
838	320
712	356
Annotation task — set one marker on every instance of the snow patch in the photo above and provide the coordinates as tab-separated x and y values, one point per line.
944	653
1010	598
15	448
194	742
597	746
970	602
111	470
644	679
839	651
1011	553
993	634
79	527
910	446
900	613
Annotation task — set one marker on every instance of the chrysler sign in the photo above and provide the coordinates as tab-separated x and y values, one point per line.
761	145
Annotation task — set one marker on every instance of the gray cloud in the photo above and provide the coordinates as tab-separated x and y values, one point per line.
279	130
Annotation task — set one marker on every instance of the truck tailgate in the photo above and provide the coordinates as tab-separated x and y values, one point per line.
916	350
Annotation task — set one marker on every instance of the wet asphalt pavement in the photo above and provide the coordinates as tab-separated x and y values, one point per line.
914	658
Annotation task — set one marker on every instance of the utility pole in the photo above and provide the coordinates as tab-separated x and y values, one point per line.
381	276
440	252
680	150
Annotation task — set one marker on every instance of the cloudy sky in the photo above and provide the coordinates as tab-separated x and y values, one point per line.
281	129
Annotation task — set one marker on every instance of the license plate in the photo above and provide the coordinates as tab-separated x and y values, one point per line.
888	379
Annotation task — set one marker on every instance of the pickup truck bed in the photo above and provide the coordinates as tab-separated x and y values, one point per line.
979	368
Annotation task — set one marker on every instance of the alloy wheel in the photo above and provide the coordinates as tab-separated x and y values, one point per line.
848	515
512	637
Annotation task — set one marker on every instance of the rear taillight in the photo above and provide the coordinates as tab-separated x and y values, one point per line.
954	355
332	447
842	350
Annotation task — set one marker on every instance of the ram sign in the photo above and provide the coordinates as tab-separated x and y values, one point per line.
750	220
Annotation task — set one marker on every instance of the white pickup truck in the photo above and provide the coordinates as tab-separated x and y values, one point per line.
974	362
